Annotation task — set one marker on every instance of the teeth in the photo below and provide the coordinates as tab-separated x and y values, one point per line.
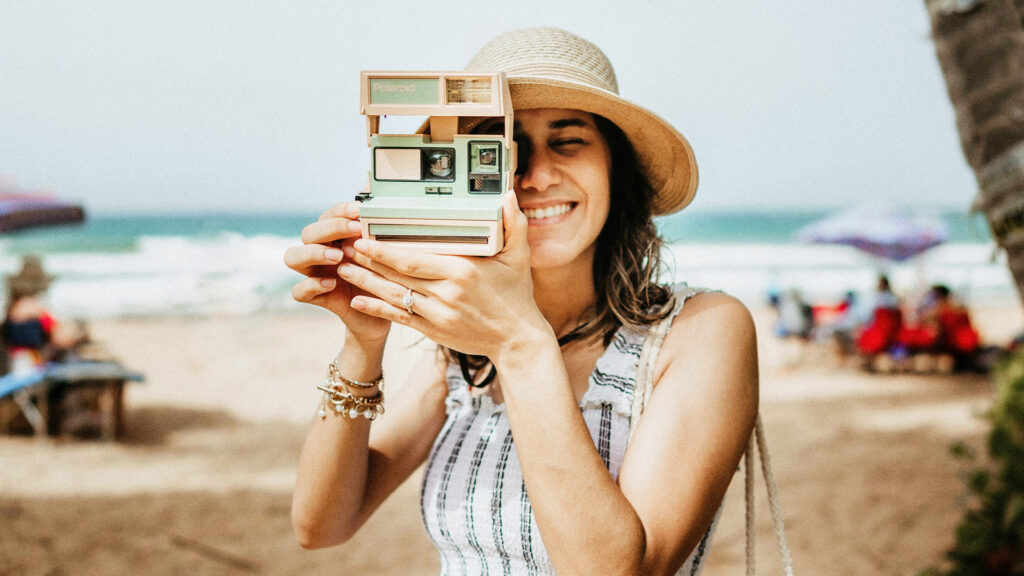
549	212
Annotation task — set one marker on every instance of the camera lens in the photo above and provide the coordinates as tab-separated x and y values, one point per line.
440	164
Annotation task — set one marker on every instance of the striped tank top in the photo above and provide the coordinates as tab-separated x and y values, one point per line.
473	499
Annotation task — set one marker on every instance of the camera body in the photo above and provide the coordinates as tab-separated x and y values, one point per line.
440	192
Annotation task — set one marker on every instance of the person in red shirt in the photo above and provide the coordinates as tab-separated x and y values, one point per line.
885	323
954	333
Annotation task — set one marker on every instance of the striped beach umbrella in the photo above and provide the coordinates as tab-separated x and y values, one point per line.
888	232
23	211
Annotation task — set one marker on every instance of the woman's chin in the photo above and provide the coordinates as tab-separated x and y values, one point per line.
553	253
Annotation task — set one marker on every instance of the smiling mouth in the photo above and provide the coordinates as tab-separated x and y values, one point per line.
549	212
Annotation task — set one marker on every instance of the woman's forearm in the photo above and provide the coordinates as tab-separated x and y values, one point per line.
345	472
333	466
577	504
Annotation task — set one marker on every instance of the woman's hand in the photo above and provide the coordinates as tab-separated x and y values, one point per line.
323	245
470	304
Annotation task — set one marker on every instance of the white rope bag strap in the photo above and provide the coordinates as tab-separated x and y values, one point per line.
642	393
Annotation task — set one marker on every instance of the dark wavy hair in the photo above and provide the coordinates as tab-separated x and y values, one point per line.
627	257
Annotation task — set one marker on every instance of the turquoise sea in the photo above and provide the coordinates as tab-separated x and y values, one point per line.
121	233
198	264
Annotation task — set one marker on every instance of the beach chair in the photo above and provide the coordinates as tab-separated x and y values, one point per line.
21	388
73	398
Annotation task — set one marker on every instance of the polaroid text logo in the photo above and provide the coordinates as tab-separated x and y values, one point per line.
393	87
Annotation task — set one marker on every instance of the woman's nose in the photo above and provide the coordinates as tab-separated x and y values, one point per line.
536	171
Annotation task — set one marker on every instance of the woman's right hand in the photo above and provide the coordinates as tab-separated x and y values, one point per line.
318	258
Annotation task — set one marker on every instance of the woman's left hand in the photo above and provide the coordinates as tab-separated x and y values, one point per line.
470	304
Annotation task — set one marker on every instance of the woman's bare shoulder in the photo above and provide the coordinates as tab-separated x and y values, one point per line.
711	314
714	332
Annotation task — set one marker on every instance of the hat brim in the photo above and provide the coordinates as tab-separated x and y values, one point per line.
664	154
32	285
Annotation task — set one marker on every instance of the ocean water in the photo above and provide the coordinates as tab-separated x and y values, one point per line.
752	254
230	264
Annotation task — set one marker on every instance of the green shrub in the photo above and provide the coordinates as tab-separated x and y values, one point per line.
990	536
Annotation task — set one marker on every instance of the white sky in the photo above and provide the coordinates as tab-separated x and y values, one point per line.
195	105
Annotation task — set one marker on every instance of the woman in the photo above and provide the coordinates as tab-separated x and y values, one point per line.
29	333
533	475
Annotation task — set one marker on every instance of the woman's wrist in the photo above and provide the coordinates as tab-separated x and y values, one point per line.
354	384
523	347
360	359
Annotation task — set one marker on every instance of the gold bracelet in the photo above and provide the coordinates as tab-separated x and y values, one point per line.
338	396
334	377
337	392
344	403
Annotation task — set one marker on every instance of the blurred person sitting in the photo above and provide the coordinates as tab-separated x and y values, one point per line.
880	335
955	336
795	316
29	333
916	339
841	323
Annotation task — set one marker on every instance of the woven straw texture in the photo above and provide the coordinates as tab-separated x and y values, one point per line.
551	68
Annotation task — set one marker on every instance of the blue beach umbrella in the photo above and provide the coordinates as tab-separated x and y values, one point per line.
887	232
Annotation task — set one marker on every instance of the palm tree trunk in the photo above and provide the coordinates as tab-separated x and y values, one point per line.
980	47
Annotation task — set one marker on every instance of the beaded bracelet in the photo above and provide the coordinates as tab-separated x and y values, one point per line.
338	396
343	402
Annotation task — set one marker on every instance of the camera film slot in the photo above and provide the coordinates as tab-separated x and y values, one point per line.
429	233
469	237
425	238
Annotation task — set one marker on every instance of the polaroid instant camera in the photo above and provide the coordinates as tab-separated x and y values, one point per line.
439	192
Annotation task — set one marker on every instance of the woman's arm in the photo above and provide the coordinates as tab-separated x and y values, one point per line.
677	467
347	470
696	427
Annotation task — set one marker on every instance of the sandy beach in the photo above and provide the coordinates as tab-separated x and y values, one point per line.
201	481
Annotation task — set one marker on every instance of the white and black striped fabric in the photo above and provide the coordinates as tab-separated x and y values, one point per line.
473	500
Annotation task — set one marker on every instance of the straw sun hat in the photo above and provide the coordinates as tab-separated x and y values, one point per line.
551	68
32	279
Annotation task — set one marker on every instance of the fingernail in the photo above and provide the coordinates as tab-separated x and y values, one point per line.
333	255
355	226
328	282
358	304
359	245
344	271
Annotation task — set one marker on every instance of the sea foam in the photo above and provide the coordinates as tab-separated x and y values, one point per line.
231	273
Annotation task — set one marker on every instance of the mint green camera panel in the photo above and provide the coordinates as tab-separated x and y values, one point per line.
407	91
460	198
